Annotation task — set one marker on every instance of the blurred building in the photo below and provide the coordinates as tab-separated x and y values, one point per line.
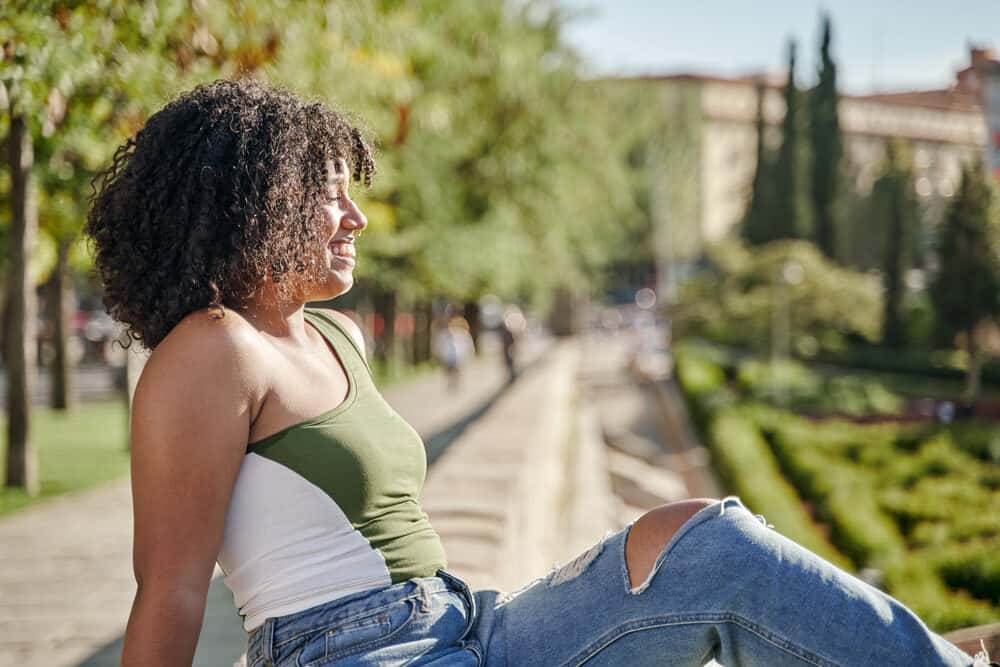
944	128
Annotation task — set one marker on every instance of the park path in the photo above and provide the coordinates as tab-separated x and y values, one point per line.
66	583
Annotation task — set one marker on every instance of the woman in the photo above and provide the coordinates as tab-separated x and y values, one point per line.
259	440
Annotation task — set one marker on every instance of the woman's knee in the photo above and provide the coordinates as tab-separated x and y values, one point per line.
652	531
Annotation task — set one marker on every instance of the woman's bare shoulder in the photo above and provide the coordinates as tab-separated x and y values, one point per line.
227	348
204	329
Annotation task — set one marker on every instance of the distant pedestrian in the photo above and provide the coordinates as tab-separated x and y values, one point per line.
509	343
511	328
452	346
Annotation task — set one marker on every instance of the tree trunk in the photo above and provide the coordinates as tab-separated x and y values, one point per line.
4	326
470	311
22	461
61	312
385	306
562	319
892	324
422	321
972	372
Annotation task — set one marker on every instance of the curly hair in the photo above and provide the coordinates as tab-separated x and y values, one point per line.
221	188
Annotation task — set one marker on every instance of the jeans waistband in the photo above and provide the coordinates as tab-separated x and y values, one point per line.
281	629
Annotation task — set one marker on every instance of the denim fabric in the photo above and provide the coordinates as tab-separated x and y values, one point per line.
726	586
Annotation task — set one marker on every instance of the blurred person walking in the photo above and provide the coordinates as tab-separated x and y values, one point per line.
453	345
511	328
260	420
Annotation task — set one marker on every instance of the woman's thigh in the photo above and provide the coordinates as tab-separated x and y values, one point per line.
727	586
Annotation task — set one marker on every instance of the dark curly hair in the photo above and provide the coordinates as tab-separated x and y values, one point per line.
222	187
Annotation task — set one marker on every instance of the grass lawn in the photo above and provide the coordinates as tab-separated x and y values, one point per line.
75	450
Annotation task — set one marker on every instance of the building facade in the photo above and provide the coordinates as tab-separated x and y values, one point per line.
943	128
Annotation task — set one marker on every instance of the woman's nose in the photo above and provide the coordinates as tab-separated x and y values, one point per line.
355	217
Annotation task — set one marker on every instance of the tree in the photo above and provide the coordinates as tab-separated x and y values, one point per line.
896	208
827	147
965	289
78	78
497	156
735	301
19	339
791	206
760	225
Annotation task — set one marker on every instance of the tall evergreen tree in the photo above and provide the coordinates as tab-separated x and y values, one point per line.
893	195
791	205
827	147
965	290
759	225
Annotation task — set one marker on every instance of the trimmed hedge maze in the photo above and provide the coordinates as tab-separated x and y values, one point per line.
914	506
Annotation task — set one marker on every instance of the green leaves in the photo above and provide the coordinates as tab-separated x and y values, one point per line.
827	304
500	167
966	290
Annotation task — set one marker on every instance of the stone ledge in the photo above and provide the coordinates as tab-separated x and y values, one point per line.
495	496
968	639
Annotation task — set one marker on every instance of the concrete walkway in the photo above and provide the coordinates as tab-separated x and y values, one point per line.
66	583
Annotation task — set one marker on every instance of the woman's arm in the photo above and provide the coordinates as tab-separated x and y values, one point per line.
191	417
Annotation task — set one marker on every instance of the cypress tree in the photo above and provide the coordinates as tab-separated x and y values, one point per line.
759	225
893	193
791	205
827	147
965	290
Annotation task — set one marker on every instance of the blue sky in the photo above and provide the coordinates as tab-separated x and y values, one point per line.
878	44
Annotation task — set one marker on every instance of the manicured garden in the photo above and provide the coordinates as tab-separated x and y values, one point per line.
838	462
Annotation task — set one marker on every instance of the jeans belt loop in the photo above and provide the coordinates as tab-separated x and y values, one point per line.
463	590
267	642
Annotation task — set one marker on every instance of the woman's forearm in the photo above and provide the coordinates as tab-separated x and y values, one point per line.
163	628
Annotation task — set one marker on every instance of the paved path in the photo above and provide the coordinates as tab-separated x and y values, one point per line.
66	583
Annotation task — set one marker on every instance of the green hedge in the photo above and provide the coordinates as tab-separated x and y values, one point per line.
843	494
939	364
917	502
747	468
914	581
741	456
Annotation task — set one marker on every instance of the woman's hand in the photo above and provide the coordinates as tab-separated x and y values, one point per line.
190	424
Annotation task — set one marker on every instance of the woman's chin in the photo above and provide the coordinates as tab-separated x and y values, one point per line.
338	282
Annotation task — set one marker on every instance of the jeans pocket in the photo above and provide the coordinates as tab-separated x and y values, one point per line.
364	632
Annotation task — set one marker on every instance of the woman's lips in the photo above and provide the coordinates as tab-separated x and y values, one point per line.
343	248
343	254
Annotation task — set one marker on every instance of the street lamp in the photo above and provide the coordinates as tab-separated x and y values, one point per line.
790	274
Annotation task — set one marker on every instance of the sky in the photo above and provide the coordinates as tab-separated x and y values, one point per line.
879	45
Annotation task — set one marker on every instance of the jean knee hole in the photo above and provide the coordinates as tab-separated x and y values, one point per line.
578	565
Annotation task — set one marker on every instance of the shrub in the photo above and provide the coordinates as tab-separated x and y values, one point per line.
748	469
972	567
734	303
913	580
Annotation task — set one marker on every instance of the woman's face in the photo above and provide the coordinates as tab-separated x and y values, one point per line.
342	222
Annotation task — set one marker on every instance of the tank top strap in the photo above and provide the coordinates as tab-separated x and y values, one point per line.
339	337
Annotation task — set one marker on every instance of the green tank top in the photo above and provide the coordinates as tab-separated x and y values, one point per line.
329	506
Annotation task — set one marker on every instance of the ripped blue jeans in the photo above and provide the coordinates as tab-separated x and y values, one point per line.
726	587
